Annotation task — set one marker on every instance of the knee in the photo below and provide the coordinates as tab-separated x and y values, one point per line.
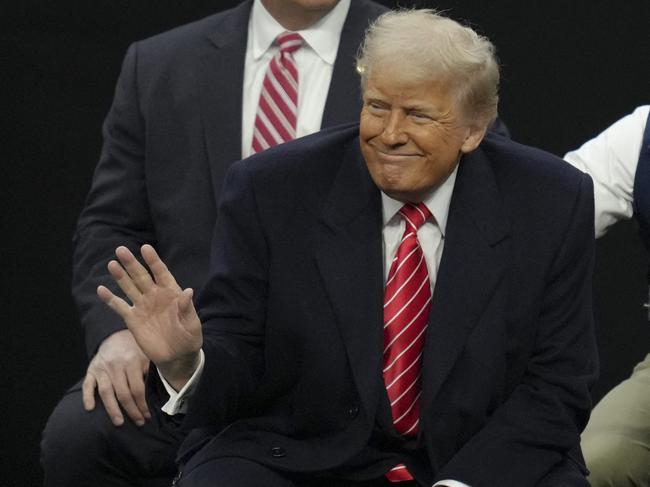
73	438
616	460
70	427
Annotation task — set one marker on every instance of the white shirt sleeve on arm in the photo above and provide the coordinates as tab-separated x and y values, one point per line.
611	160
450	483
177	402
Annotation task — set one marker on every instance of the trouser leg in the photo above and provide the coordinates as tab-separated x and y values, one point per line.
81	448
616	442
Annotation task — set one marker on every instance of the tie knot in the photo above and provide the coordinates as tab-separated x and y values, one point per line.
415	215
288	42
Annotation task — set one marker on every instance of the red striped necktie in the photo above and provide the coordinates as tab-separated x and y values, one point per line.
277	111
407	299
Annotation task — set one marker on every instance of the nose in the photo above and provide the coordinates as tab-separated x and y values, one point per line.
393	133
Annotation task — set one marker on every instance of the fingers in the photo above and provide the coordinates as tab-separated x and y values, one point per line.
115	391
107	395
88	392
133	278
187	313
126	400
137	389
96	379
158	268
122	278
117	373
116	303
185	305
138	274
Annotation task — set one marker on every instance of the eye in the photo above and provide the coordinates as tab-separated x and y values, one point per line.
420	116
376	106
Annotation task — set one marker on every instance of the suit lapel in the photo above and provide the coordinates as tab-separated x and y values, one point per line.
220	83
349	258
473	262
344	98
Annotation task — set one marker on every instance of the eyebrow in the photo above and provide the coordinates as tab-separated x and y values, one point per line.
416	105
371	95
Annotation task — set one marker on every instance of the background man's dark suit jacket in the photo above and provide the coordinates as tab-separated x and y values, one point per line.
173	130
293	315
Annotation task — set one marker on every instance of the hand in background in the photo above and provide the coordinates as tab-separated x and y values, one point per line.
117	372
162	317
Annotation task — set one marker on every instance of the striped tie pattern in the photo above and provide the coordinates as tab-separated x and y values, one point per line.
407	299
275	120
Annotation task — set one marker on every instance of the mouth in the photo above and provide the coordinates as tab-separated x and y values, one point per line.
397	152
396	157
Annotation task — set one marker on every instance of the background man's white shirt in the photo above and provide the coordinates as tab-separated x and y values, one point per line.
611	160
314	60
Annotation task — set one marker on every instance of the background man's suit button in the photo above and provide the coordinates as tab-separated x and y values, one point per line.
352	412
278	452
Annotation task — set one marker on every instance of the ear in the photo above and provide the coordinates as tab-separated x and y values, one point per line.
473	138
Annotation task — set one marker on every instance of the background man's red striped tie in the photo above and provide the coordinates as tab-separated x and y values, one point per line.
407	299
275	121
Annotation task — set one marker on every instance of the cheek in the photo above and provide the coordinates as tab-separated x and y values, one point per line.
369	125
436	170
421	174
364	127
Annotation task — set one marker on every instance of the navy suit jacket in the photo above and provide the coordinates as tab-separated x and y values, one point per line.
171	133
293	315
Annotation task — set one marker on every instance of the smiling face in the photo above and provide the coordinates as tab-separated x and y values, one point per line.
412	135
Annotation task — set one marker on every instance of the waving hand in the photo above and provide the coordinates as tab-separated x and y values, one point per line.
161	317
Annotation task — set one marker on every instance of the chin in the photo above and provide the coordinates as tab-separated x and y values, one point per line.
396	193
319	5
405	194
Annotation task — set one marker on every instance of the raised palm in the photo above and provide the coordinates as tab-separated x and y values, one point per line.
162	317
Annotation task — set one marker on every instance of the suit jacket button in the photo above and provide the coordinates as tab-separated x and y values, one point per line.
352	412
278	452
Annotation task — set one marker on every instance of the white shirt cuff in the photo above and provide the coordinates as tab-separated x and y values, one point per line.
450	483
177	402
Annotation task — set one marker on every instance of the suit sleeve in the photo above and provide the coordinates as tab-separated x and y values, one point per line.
232	308
544	415
116	210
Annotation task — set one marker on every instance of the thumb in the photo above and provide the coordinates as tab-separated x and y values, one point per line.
185	305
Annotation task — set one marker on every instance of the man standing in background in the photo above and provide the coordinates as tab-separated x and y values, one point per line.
616	441
188	103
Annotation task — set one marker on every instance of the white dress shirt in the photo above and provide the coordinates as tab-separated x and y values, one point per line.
611	160
431	234
314	60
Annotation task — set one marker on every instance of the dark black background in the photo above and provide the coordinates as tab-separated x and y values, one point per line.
569	70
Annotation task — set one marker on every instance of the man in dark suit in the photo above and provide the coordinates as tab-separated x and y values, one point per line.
474	252
183	111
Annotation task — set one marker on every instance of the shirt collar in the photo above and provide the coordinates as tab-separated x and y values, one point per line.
263	29
437	201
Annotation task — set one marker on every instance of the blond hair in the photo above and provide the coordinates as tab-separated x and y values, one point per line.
424	46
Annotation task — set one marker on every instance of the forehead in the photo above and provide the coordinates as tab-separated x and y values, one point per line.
396	86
